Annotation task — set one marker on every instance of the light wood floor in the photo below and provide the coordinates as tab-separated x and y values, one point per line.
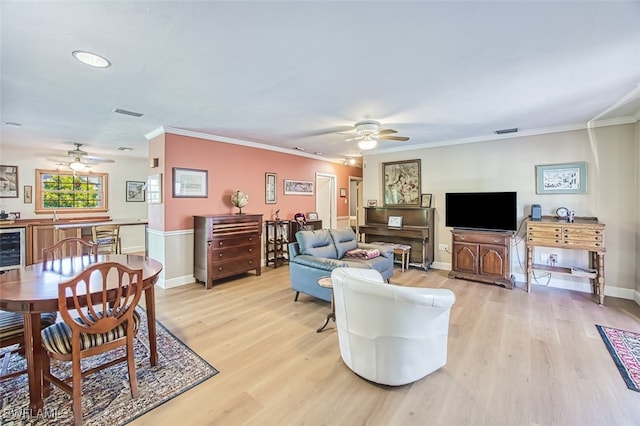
514	359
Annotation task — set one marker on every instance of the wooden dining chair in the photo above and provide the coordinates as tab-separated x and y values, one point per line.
12	333
91	327
69	247
107	237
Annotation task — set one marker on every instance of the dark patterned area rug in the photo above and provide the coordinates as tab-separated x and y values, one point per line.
624	347
106	398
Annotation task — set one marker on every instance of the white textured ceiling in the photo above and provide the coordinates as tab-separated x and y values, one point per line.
296	74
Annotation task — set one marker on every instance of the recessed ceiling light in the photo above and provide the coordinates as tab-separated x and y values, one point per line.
91	59
125	149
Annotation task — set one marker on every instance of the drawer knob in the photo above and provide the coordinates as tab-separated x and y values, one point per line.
462	237
496	240
220	243
250	250
220	268
219	254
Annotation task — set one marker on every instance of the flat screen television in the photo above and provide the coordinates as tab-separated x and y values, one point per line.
481	210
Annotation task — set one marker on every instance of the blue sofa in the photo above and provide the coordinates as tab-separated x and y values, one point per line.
316	253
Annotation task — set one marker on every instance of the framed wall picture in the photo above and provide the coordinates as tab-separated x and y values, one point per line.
135	191
343	192
298	187
312	216
401	183
190	183
372	203
154	189
270	188
425	201
569	178
28	192
8	181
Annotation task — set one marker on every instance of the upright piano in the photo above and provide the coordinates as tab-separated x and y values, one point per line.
416	231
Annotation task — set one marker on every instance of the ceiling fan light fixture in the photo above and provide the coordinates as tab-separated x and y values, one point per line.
77	165
350	161
91	59
367	143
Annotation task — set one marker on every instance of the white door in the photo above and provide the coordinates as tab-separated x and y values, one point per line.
325	199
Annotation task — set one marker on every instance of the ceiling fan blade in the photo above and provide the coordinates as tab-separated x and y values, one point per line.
394	138
357	138
387	131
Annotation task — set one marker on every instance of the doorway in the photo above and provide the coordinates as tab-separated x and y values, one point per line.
326	199
356	210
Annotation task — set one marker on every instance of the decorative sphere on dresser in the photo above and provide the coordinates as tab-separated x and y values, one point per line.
239	199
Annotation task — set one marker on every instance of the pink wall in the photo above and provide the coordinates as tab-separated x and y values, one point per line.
231	168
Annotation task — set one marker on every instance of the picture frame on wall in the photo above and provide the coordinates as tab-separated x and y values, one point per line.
568	178
135	191
298	187
190	183
372	203
270	188
425	201
28	193
401	183
343	192
312	216
8	181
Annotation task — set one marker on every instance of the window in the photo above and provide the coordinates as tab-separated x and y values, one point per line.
70	192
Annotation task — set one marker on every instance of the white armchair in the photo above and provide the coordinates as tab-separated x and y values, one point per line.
390	334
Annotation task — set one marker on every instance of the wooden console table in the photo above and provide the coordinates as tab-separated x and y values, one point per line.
585	233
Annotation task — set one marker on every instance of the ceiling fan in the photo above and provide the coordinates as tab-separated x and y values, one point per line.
368	133
79	160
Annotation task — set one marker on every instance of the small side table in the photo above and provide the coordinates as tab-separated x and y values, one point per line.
326	282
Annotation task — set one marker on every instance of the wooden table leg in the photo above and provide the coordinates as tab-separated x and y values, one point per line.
529	267
330	316
600	278
33	352
150	302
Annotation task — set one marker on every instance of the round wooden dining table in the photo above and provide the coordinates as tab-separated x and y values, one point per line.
33	289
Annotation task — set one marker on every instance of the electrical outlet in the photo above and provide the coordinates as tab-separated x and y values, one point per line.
443	247
553	258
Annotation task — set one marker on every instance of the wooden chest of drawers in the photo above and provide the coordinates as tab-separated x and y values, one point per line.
583	234
226	245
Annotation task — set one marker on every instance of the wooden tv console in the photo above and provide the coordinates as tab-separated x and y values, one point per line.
482	256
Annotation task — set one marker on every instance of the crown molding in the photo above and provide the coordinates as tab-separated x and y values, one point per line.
224	139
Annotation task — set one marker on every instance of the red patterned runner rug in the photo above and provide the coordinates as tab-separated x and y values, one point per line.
624	347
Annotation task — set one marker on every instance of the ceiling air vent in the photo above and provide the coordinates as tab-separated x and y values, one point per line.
503	131
125	112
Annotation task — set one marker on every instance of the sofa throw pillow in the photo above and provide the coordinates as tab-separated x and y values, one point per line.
316	243
344	239
362	253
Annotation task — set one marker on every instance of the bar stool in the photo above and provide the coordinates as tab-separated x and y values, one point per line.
107	237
